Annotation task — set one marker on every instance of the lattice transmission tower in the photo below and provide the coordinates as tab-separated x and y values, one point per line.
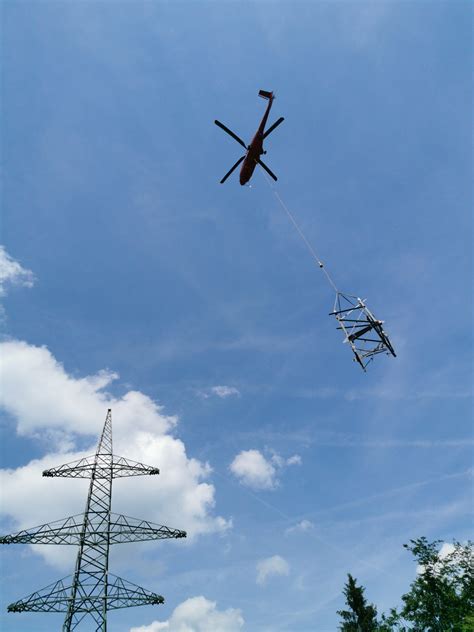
91	591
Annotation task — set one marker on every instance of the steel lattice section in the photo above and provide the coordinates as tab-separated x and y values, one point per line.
83	468
68	531
363	332
92	590
56	597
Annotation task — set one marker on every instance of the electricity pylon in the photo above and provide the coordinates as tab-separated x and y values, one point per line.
87	595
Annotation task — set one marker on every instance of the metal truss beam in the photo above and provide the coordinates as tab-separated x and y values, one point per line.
57	597
101	466
68	531
363	332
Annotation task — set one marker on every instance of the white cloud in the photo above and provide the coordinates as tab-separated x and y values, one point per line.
446	549
221	391
46	401
277	460
198	614
12	272
271	567
301	527
40	394
225	391
253	469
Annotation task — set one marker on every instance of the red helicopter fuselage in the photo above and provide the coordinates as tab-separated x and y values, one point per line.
252	158
255	149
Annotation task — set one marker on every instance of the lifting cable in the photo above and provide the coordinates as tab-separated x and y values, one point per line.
352	314
301	234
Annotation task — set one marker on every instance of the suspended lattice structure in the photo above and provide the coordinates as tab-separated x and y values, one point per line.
363	332
92	591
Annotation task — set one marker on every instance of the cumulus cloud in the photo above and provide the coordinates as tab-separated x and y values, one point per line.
198	614
301	527
253	469
40	394
45	400
271	567
13	273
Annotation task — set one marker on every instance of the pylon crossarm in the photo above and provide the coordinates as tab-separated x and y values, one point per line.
52	598
123	594
76	469
68	531
83	468
126	529
65	531
125	467
56	597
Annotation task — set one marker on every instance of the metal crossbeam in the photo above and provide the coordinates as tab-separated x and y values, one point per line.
68	531
56	597
92	590
356	320
101	465
53	598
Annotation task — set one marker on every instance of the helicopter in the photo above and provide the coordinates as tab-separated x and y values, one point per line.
253	151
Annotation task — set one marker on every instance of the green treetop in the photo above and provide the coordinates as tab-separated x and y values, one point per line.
360	616
441	598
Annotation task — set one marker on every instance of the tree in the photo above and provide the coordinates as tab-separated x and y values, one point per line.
468	623
441	598
360	617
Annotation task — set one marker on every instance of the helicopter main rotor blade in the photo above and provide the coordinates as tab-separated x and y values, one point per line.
270	129
234	136
232	169
270	173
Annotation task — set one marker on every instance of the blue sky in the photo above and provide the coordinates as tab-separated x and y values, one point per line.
194	310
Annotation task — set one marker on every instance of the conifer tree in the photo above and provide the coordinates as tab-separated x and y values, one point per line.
360	616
